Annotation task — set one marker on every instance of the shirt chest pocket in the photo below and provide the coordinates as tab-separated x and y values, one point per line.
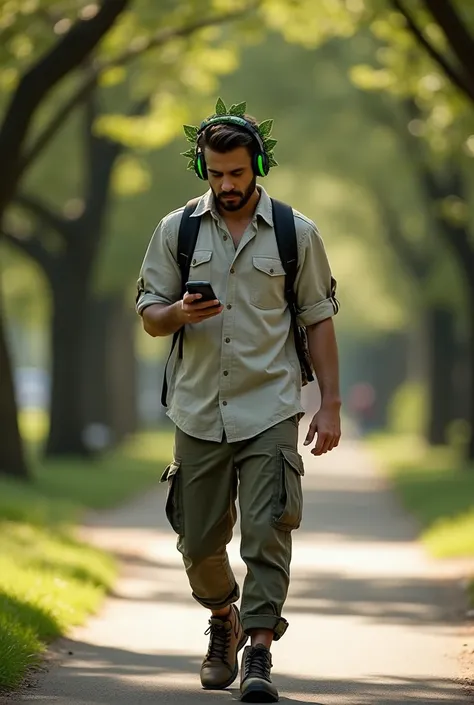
268	283
200	266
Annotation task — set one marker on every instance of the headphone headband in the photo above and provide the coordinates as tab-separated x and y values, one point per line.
232	120
260	162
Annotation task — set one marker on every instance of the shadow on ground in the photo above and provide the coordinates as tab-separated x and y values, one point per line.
105	671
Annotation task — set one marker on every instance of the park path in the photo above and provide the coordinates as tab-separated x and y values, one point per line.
372	619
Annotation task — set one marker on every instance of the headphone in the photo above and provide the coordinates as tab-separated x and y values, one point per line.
260	164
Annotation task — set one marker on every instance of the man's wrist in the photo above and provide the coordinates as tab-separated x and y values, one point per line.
178	313
331	402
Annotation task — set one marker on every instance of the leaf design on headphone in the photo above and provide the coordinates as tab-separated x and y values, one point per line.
191	133
265	128
238	109
269	144
220	107
190	153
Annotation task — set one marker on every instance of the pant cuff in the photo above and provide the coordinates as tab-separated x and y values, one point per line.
218	604
265	621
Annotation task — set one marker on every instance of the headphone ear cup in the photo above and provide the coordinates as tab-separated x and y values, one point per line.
200	166
260	165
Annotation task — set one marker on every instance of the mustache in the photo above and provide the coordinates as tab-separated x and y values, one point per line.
230	193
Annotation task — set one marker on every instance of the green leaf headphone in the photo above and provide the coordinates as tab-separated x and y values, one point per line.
262	159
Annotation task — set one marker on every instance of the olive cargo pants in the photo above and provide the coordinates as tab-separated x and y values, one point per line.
204	481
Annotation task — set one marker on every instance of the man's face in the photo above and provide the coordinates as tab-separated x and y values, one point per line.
231	177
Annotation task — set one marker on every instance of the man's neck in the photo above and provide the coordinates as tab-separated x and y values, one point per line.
245	213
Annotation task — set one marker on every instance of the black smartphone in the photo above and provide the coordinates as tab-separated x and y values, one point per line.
203	288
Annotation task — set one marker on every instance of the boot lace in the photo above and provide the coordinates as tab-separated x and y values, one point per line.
258	664
219	641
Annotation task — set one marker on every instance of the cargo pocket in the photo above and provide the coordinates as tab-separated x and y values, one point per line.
173	497
288	498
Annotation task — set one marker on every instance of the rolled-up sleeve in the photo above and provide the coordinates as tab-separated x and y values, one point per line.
159	280
315	286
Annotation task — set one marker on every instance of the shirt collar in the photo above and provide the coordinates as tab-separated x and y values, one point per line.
264	207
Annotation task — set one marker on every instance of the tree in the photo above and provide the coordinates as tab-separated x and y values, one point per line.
456	39
424	54
33	87
69	270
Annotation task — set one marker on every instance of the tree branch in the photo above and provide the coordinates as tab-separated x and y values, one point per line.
458	79
44	213
131	53
66	55
31	246
460	41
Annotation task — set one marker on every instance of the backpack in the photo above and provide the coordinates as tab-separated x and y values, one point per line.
285	232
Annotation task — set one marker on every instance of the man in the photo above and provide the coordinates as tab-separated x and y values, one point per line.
235	392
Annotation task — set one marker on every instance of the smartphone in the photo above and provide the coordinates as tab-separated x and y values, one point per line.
203	288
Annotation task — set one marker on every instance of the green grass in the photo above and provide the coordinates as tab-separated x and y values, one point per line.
437	488
49	580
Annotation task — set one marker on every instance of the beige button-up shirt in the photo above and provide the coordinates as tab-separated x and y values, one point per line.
240	372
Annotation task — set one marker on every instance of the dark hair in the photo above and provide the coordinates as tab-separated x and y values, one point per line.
224	137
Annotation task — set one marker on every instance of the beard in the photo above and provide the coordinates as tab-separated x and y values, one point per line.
241	198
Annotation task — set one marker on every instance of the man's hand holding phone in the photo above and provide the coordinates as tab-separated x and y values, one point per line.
194	310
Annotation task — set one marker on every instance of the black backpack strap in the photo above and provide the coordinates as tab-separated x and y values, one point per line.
187	238
285	233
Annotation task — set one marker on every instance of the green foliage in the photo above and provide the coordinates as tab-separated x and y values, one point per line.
436	488
408	409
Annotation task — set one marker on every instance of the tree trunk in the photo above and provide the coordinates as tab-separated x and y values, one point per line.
66	431
12	457
123	369
110	393
470	380
440	377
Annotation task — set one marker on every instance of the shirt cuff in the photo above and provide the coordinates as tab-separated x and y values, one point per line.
147	300
317	313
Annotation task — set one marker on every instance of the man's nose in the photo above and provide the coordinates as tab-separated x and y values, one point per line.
227	185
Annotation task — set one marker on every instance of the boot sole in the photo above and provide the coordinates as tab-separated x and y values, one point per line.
235	673
254	693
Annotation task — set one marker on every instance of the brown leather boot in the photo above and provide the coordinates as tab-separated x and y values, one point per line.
255	683
220	667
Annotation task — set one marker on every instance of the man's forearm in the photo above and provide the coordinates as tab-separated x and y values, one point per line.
324	355
161	320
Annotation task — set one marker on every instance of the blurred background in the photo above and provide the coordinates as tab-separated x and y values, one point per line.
372	103
373	109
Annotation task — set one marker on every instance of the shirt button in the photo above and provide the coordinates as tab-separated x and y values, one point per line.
224	403
227	340
232	271
229	306
194	261
271	271
226	373
225	237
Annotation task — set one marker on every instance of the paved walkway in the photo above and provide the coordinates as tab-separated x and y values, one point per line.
372	620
